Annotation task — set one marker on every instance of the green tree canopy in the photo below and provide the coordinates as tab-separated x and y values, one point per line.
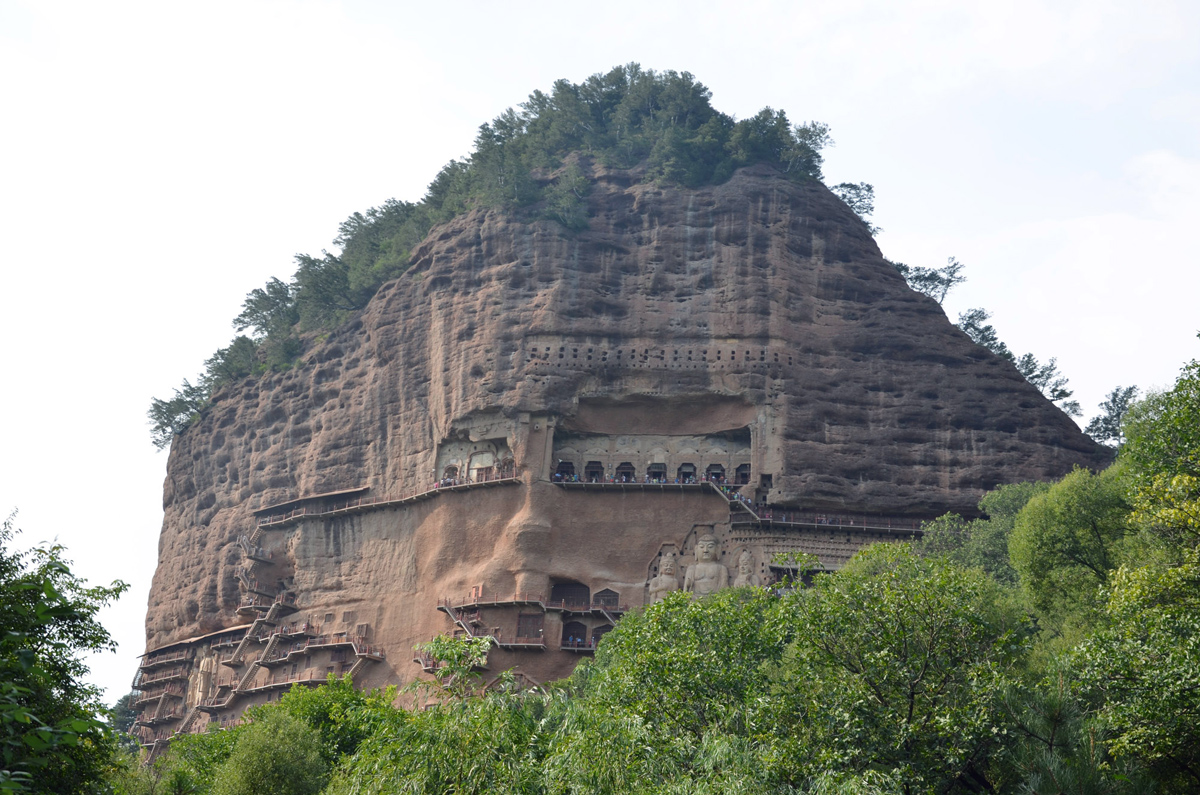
1067	541
1143	670
1108	427
276	753
899	666
1163	451
933	282
859	197
982	543
51	738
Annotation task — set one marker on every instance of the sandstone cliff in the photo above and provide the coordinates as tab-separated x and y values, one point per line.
759	304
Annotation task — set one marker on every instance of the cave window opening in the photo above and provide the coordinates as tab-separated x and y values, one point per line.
626	473
607	598
574	635
565	471
571	594
741	475
599	632
657	473
450	472
686	473
593	472
715	473
529	627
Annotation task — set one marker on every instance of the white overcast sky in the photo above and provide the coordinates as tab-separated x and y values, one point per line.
159	160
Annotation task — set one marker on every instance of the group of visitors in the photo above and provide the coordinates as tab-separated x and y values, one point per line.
572	642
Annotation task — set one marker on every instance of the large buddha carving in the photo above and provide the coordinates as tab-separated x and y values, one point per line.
706	575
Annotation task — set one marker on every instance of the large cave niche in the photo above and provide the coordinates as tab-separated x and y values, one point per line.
658	458
570	593
474	460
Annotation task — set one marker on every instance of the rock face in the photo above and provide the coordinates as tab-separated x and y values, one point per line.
749	331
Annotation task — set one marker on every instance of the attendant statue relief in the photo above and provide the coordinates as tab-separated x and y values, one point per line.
746	575
706	576
666	580
207	669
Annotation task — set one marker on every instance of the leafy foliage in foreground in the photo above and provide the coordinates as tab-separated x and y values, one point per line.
1051	646
51	740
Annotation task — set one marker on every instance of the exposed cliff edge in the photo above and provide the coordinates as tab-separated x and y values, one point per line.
760	304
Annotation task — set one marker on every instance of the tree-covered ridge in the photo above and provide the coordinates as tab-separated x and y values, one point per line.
662	123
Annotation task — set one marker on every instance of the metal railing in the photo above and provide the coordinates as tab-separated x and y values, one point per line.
524	597
386	500
524	640
578	645
178	672
225	641
155	659
587	607
173	689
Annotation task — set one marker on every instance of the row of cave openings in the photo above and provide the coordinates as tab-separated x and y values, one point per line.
626	472
646	354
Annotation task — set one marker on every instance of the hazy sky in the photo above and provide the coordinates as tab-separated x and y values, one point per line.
159	160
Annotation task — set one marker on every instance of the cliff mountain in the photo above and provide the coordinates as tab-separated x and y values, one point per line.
747	334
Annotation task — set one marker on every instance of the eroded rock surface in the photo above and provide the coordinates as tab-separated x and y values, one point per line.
752	326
